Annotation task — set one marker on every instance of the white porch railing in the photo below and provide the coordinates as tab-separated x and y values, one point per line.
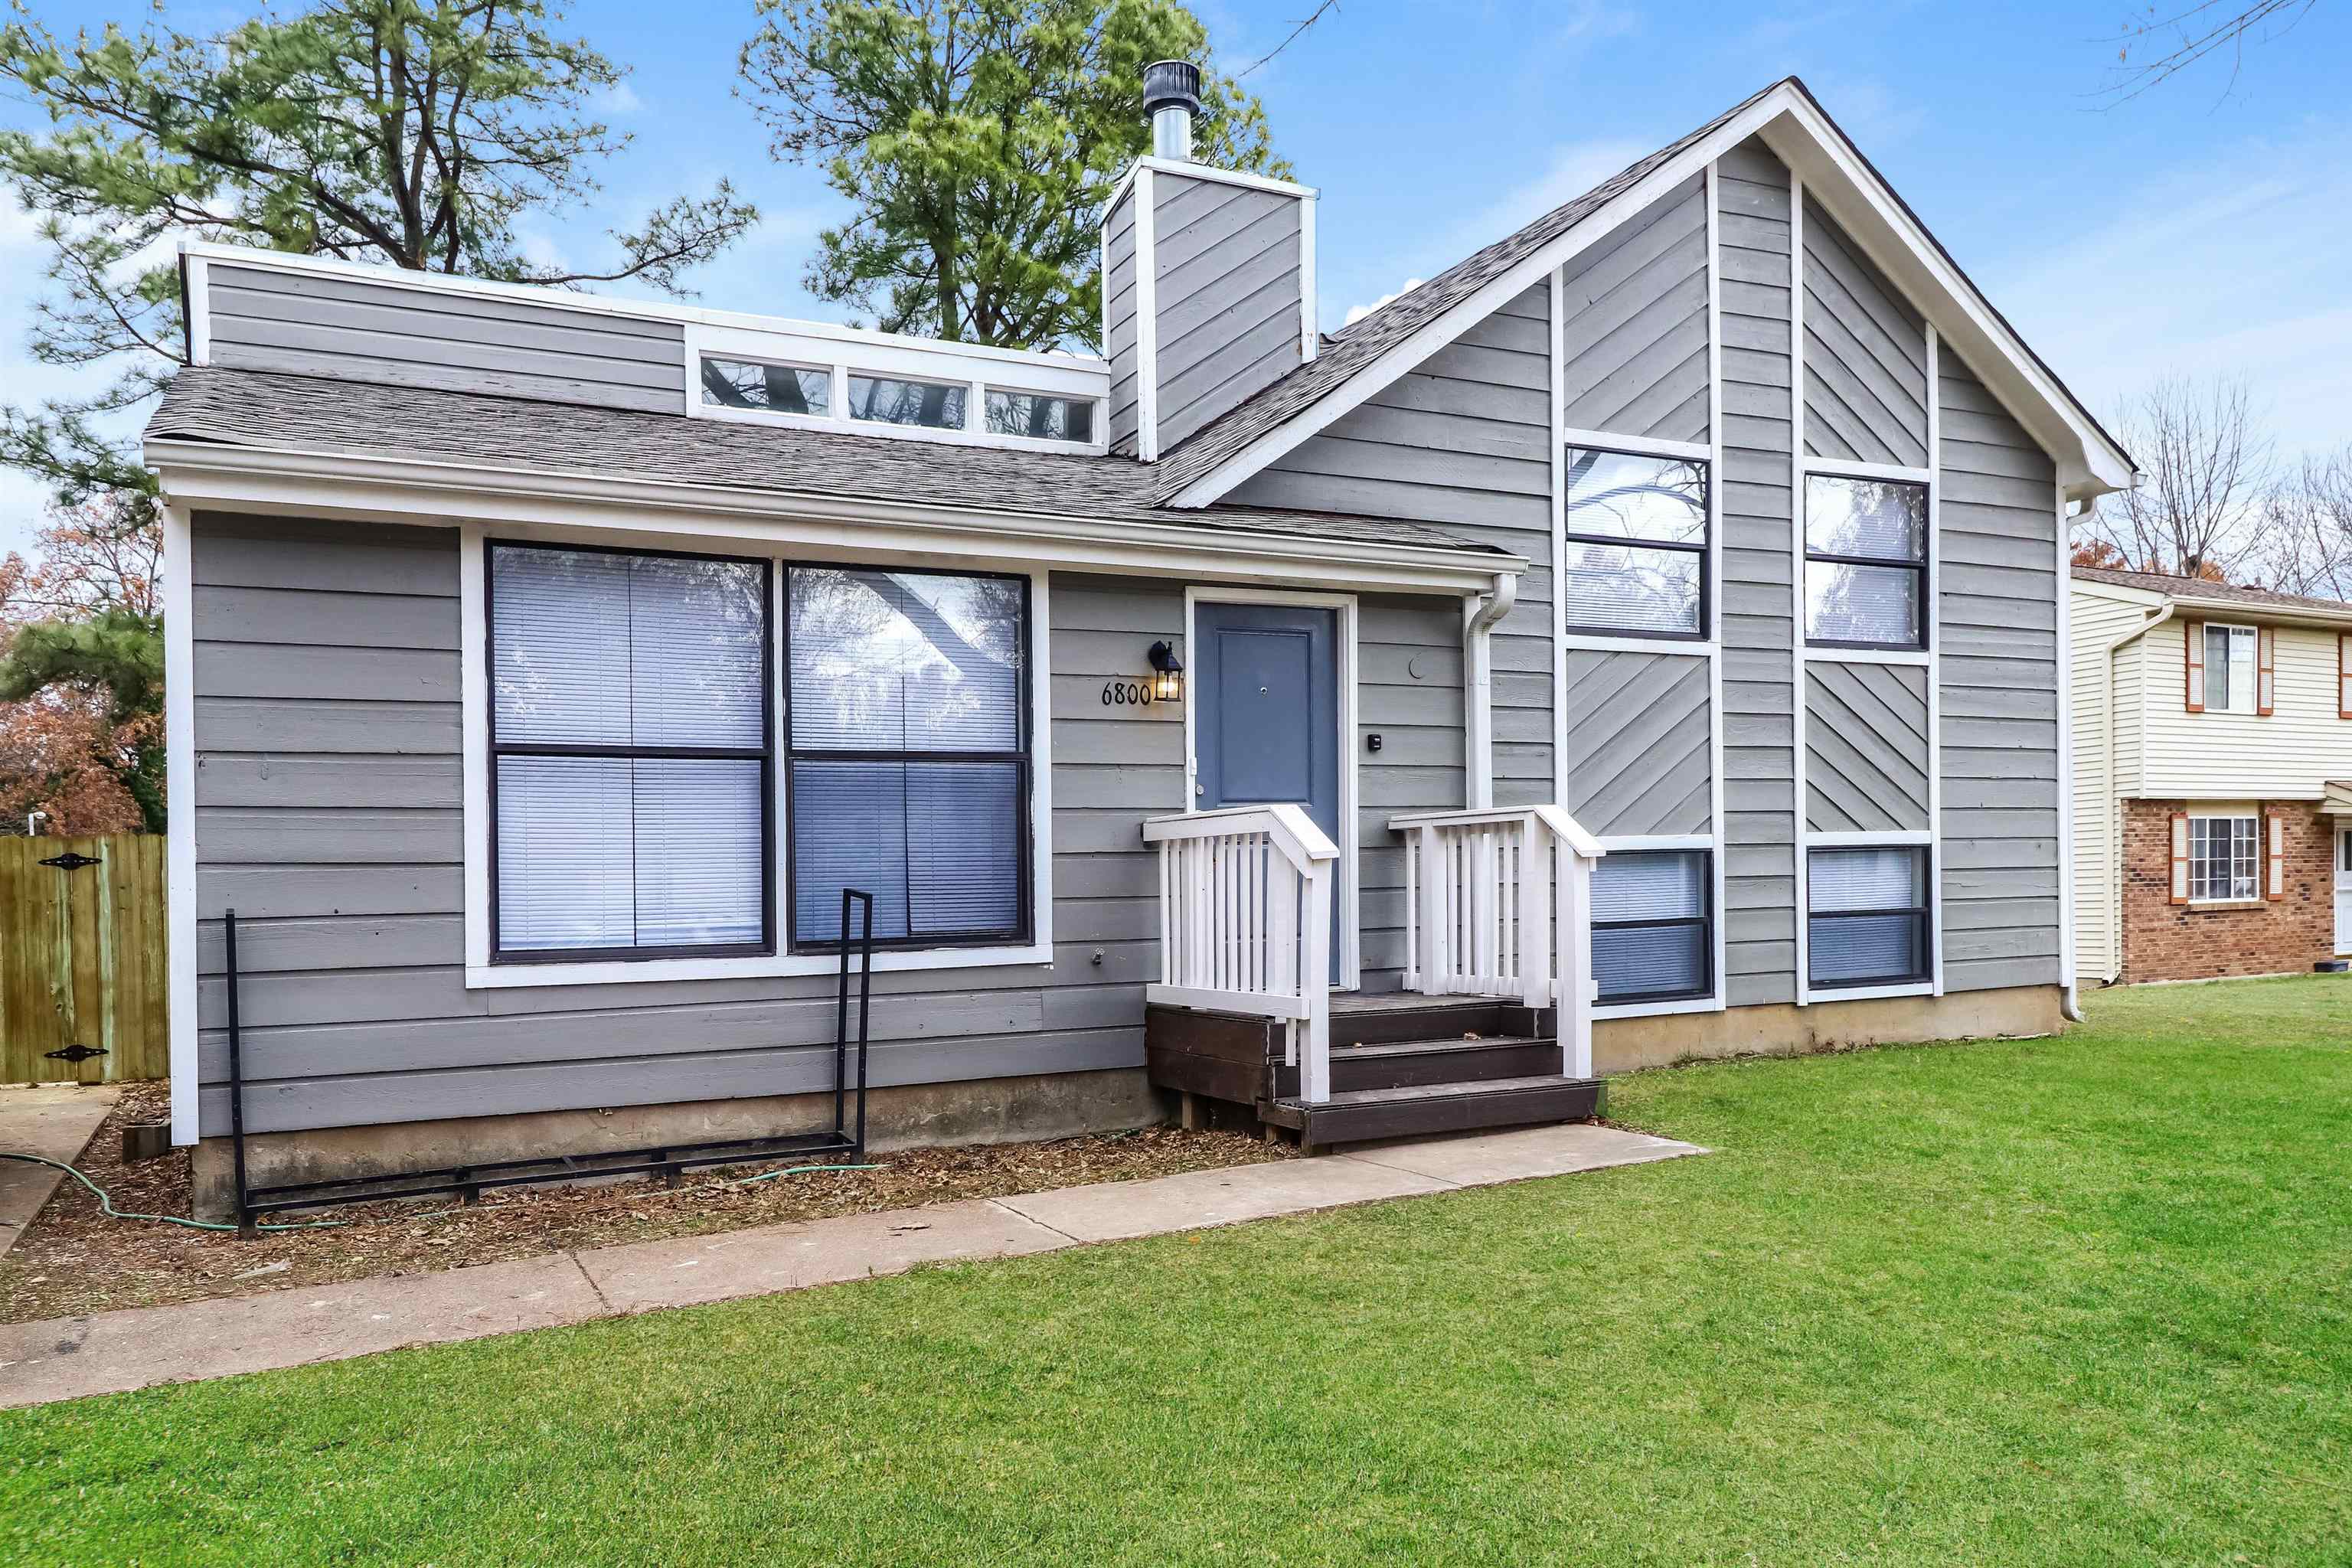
1245	923
1498	902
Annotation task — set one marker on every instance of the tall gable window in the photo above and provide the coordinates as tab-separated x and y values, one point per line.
1634	562
2232	669
909	755
631	754
1865	562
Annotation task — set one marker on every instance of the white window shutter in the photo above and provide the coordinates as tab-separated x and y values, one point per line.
2265	670
2179	857
2274	857
2192	634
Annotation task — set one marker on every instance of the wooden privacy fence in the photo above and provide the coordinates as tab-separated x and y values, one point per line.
83	983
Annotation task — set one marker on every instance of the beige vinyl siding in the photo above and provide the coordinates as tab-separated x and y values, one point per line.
2209	755
2097	620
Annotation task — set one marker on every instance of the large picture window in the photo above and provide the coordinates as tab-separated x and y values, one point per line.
1634	562
1865	562
631	754
1867	916
1652	938
908	762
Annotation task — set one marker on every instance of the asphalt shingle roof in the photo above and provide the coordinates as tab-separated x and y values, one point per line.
255	408
2168	584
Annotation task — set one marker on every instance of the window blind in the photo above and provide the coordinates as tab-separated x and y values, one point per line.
1868	915
1652	935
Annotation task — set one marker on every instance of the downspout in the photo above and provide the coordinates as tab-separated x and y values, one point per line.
2111	888
1480	612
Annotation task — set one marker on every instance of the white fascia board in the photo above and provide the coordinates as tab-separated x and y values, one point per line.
557	298
1803	138
345	485
1210	173
1867	210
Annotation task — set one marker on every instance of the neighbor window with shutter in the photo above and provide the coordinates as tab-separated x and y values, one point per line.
1866	922
2225	860
1634	562
2235	675
631	754
1652	940
908	768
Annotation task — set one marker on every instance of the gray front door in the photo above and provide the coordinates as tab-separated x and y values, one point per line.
1267	679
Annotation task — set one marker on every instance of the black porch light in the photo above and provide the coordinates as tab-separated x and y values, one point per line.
1168	678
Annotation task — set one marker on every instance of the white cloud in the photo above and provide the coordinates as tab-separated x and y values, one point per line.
1357	312
2233	267
618	99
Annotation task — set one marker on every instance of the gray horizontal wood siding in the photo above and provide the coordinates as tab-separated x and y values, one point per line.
1866	747
1634	324
329	811
1461	442
1759	626
1227	288
1409	692
1640	734
1120	345
1998	540
353	328
1866	356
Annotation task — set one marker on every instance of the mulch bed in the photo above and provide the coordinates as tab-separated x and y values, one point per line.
73	1260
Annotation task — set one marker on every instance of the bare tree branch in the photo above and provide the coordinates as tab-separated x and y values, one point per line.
2207	471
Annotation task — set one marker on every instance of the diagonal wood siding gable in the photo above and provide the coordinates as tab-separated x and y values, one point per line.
1640	734
1866	747
1866	357
1635	307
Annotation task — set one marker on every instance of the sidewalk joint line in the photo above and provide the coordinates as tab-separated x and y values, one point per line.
593	1289
1446	1181
1033	1220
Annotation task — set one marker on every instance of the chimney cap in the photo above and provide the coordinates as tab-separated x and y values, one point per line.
1172	84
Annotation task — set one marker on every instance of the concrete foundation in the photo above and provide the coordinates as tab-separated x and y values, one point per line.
981	1111
1624	1045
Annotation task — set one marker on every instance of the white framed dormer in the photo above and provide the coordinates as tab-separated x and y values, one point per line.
485	971
1347	890
842	360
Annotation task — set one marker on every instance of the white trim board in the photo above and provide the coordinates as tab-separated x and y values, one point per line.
180	789
1804	138
1350	835
482	973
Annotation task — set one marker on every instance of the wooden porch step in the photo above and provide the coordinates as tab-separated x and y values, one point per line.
1384	1020
1352	1116
1402	1063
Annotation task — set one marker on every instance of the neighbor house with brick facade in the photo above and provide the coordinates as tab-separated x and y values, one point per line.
2212	778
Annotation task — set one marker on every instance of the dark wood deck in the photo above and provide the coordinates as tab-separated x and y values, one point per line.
1401	1066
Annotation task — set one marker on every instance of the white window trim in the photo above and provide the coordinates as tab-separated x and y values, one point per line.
1351	918
482	973
1810	995
2230	811
1631	844
943	365
2253	694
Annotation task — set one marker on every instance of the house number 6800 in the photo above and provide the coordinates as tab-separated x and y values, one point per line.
1127	693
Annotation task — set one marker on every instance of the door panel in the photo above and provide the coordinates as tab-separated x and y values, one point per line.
1266	729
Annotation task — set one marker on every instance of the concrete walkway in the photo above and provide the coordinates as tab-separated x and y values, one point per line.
54	1120
66	1358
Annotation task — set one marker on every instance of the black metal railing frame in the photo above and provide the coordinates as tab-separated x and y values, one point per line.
846	1138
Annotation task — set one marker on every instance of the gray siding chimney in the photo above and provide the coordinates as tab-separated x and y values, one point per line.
1208	288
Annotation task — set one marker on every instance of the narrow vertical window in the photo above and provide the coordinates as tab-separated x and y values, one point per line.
1865	562
1635	557
909	770
2231	679
1866	923
631	754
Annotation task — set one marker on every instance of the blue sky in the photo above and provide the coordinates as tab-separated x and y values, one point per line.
2203	228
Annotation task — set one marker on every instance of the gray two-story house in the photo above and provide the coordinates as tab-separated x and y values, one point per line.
1639	641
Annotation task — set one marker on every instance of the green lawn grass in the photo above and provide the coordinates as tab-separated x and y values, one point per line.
2071	1301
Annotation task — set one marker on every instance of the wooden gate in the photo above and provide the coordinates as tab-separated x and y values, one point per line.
83	985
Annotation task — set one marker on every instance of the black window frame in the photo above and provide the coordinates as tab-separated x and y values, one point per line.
1703	549
1924	913
1024	929
765	755
1704	922
1918	567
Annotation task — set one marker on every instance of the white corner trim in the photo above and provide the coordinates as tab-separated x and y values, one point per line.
1719	788
1147	316
197	271
1555	290
1310	332
1209	172
482	973
1933	592
1350	835
1798	703
2064	659
180	800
